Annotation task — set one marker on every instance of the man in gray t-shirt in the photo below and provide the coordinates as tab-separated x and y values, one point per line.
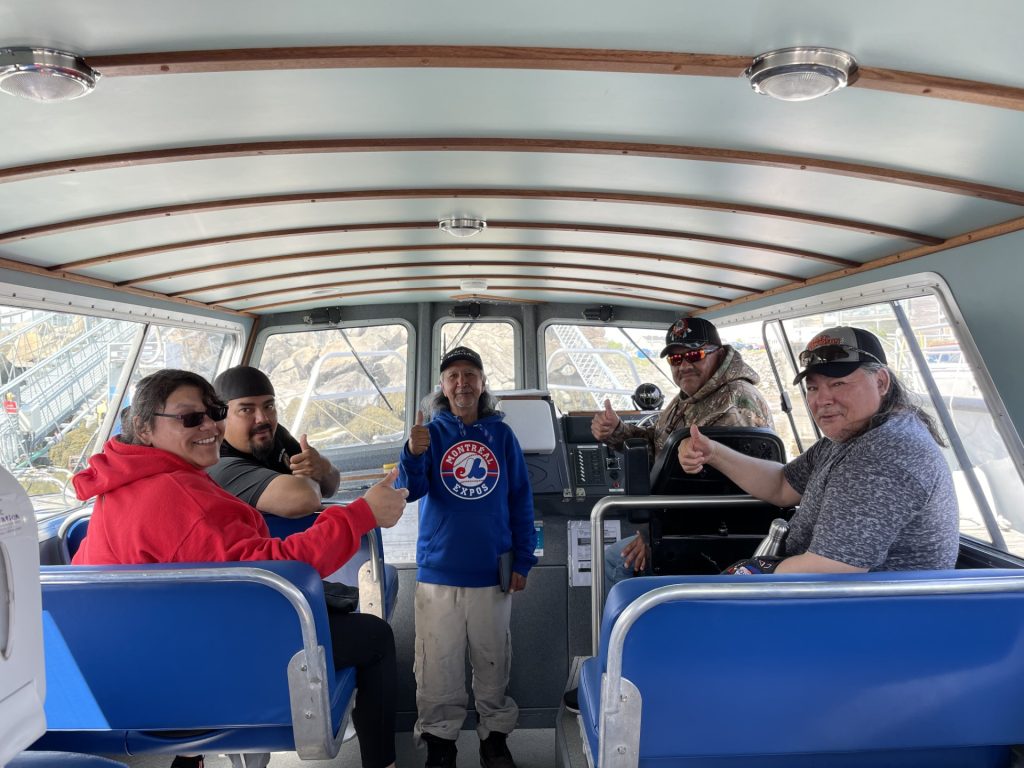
875	493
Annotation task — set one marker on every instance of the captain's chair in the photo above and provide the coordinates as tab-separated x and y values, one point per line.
669	479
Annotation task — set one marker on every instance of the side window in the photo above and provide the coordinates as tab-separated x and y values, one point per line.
922	348
584	364
346	388
748	340
496	344
62	373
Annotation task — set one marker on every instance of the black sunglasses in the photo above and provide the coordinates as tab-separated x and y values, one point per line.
691	355
832	353
195	418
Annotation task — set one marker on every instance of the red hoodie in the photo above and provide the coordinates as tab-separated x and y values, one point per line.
154	507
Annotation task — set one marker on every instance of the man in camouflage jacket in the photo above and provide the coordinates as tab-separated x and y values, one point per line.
716	389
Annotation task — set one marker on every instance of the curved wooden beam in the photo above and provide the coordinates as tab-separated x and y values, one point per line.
181	245
509	57
966	238
378	292
532	248
460	193
320	274
81	165
643	292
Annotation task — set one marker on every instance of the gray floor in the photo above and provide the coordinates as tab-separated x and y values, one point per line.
531	748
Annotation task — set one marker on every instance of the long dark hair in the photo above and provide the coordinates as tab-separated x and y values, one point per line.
151	395
899	399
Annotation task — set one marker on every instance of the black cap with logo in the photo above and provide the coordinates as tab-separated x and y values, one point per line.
691	333
455	354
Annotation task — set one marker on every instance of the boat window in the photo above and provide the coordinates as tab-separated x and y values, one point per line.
748	340
923	348
495	341
346	388
62	375
584	364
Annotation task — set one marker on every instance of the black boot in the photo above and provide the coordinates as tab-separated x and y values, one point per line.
440	752
192	761
494	752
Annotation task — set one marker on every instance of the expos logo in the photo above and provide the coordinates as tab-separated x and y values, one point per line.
469	470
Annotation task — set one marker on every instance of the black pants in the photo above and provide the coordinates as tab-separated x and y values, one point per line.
366	643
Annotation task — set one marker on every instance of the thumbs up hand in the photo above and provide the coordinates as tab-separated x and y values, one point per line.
419	436
695	451
308	462
387	502
605	422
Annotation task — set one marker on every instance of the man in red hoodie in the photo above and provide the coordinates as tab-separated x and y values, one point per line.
156	504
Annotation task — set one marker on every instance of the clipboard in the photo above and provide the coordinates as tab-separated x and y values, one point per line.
505	570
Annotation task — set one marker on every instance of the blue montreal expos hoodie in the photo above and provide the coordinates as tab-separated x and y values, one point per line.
477	501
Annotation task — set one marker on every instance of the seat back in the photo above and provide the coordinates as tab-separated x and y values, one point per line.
186	656
72	532
668	478
386	589
856	669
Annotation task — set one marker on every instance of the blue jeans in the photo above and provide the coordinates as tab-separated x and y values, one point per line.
615	569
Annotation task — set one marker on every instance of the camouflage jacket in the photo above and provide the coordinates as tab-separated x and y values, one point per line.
730	398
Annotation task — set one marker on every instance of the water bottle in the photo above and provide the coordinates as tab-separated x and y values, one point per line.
771	545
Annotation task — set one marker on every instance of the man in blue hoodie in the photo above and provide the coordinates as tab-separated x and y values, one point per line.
475	548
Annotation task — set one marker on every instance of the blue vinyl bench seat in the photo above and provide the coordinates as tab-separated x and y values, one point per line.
881	669
186	658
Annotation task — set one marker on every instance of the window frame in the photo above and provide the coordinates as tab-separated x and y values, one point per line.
894	290
410	364
517	347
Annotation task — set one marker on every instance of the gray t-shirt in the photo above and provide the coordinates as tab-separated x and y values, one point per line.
882	501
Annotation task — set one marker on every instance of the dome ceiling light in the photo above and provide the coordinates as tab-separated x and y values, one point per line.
44	74
462	227
801	74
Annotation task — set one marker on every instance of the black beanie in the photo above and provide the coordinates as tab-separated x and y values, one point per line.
242	381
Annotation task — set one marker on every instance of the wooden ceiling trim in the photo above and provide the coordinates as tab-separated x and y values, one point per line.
496	299
974	236
530	248
641	290
509	57
937	87
418	57
879	174
513	265
459	193
539	226
29	269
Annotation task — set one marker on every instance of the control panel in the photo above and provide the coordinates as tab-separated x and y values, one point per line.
597	471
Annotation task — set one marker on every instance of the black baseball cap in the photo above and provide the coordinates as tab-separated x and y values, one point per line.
838	352
691	333
242	381
455	354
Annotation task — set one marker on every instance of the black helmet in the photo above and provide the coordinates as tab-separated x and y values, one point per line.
648	397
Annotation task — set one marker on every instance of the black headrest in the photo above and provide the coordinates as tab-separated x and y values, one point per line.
668	478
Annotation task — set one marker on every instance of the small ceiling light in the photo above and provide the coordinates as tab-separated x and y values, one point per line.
462	227
801	74
44	74
473	285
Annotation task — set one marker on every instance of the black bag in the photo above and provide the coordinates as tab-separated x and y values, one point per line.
340	598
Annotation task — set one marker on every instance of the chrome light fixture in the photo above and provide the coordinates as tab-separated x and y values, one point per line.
462	227
44	74
801	74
